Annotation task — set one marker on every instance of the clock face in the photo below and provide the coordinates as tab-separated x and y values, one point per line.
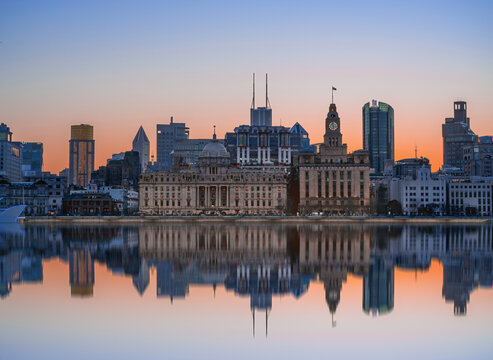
333	126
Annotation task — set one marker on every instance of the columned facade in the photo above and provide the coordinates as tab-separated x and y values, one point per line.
333	181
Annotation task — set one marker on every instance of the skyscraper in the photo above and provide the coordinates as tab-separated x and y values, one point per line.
261	116
262	143
32	158
81	162
10	155
167	135
141	144
457	135
378	133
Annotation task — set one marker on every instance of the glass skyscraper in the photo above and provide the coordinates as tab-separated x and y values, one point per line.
378	133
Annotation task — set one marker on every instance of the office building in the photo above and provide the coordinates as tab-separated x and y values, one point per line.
141	144
457	135
81	160
333	181
121	170
10	155
32	158
260	143
166	137
477	157
378	133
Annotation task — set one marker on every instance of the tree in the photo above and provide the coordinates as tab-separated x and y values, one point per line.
394	208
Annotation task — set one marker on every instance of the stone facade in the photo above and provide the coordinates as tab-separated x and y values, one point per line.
333	181
215	187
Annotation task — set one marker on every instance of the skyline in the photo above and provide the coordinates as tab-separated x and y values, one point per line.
120	64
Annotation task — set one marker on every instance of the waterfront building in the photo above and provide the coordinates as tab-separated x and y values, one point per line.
32	158
141	144
214	187
420	195
333	181
35	195
477	157
89	204
457	135
470	196
81	157
378	133
10	155
57	188
166	137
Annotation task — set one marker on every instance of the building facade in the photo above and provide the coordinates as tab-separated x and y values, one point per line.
333	181
214	187
10	155
378	133
166	137
142	145
89	204
35	195
32	158
477	157
457	135
81	154
470	196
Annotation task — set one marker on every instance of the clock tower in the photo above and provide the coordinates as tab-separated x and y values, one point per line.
333	136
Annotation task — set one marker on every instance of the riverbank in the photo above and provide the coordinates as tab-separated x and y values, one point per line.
282	219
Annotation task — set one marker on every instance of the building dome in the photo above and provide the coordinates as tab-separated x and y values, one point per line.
214	149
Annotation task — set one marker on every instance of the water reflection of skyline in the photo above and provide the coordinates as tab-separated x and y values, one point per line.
258	261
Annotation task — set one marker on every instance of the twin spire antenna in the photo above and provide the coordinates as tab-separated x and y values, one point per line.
267	102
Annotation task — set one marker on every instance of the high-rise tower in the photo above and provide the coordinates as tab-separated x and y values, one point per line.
457	135
378	133
81	162
141	144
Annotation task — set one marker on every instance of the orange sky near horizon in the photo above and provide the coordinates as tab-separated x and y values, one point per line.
424	132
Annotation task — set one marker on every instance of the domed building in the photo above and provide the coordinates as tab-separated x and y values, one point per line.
215	187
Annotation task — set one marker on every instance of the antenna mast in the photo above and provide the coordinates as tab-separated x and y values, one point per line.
253	100
267	102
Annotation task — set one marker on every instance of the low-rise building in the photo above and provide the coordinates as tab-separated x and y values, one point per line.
35	195
89	204
470	196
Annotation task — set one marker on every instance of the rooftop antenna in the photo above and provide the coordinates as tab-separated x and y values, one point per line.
415	152
253	100
267	102
214	136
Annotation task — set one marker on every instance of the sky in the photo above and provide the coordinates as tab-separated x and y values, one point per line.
120	64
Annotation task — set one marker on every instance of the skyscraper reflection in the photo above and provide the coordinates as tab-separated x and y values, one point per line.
255	260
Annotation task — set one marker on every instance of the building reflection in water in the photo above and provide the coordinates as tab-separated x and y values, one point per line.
255	260
81	272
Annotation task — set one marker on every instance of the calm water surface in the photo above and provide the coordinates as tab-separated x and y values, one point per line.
243	291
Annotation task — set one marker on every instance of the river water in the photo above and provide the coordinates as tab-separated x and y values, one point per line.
246	290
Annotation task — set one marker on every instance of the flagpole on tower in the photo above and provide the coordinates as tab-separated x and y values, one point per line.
333	88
